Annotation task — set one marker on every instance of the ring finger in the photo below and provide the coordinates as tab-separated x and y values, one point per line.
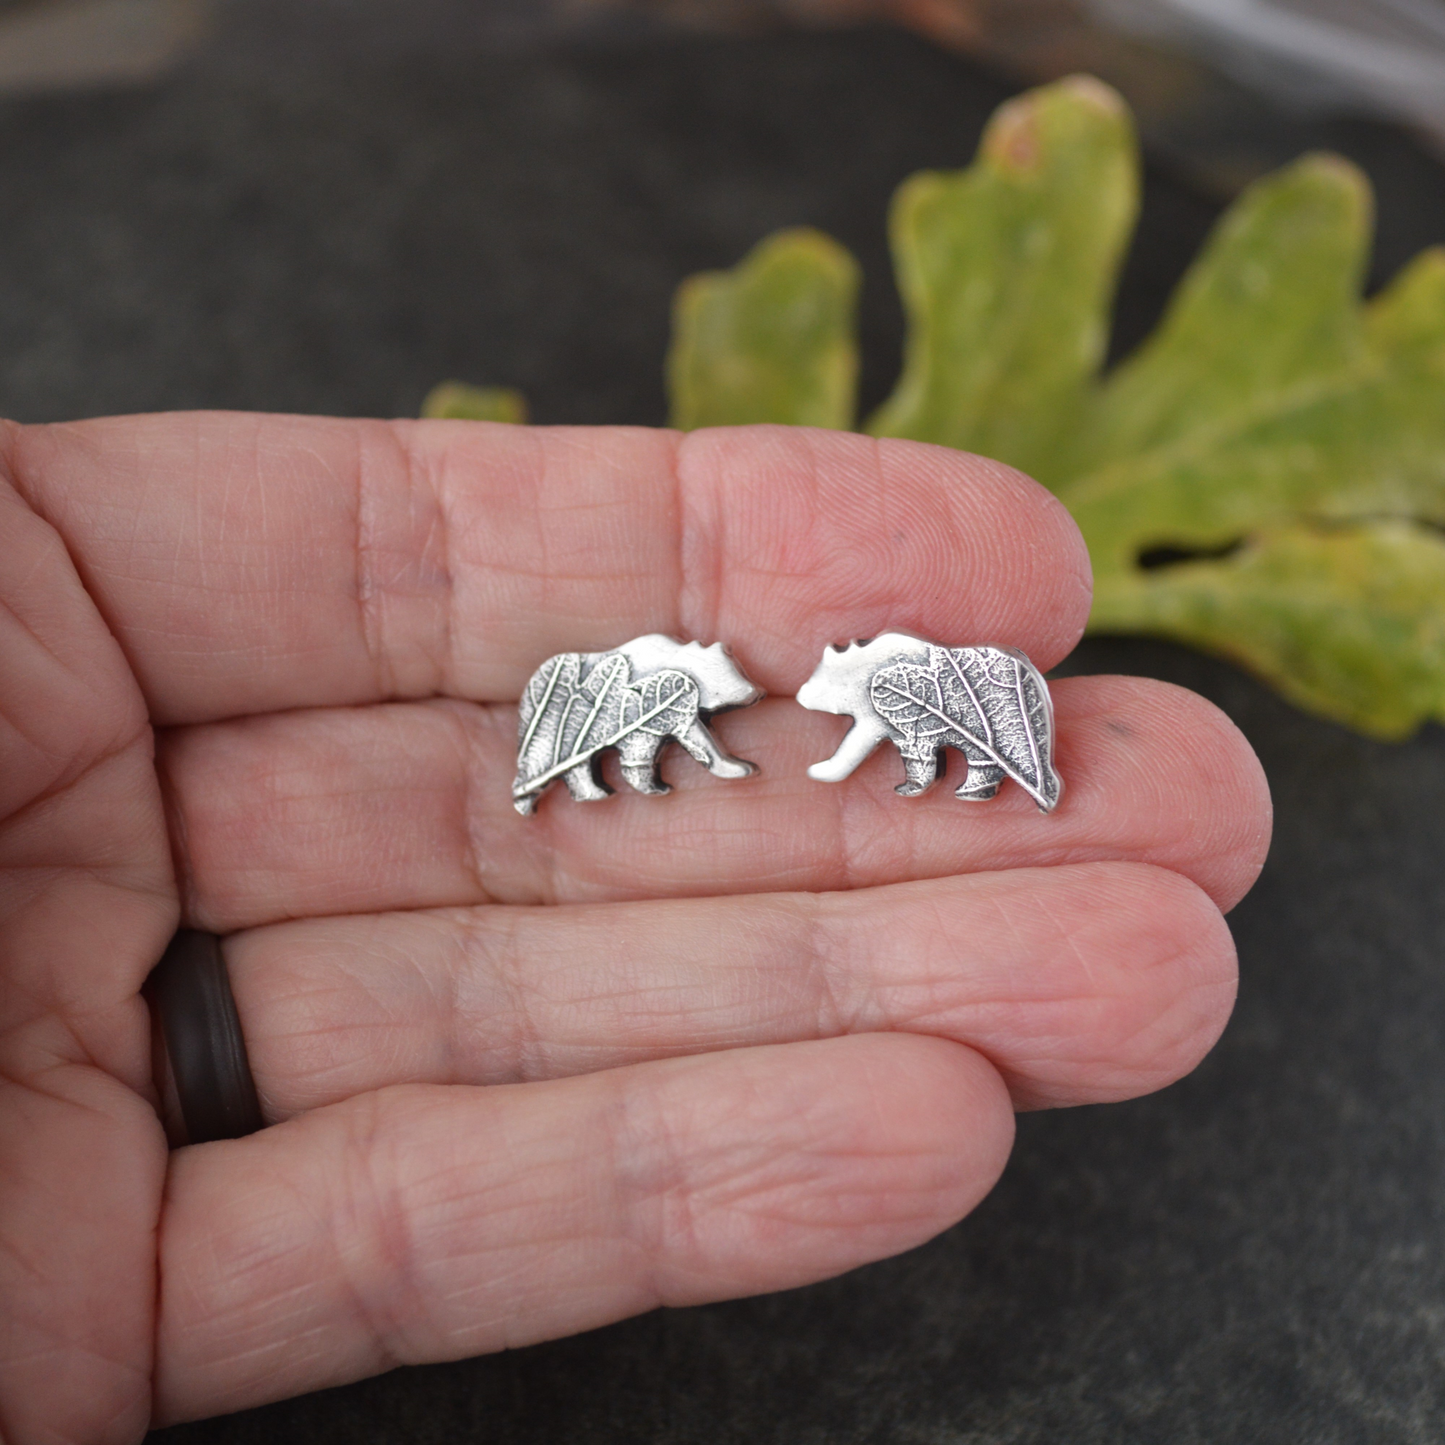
1080	984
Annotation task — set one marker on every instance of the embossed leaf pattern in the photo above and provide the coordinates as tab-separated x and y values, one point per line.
661	705
571	711
1278	442
986	702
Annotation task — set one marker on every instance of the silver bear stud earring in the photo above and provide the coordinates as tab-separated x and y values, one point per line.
990	703
633	698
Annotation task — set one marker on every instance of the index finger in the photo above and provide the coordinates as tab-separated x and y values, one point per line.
254	563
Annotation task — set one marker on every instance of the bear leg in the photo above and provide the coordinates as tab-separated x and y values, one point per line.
642	778
981	783
859	742
639	763
922	775
704	747
582	783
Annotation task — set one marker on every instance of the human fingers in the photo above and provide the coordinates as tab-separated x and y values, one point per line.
428	1223
87	900
409	806
250	563
1081	984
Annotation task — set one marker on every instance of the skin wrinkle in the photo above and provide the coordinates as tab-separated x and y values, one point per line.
403	1003
468	800
177	825
880	836
45	1007
302	1292
380	1234
731	1219
482	719
368	603
1006	916
56	549
430	479
222	512
650	1205
1170	1058
1068	940
232	1332
745	1192
795	563
502	947
133	716
380	1002
36	1272
59	1012
124	1410
1177	1001
96	873
1125	1046
819	947
67	783
941	992
55	1060
454	1002
305	1344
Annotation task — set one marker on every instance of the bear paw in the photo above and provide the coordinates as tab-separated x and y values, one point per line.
732	768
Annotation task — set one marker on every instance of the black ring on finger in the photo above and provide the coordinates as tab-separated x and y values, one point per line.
191	992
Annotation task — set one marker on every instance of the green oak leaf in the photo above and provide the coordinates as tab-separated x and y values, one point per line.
1007	272
456	401
1348	622
1278	443
1305	481
772	340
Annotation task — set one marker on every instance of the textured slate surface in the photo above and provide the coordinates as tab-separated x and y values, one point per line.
1254	1255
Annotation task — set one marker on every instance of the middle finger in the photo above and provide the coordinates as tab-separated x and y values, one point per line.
360	810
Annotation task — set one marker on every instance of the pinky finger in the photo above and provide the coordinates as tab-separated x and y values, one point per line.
427	1222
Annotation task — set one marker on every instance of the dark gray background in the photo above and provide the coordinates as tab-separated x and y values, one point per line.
310	220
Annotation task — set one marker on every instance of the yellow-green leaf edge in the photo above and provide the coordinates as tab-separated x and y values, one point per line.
1273	420
772	340
457	401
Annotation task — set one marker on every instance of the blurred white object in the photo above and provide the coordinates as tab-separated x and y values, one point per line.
1383	56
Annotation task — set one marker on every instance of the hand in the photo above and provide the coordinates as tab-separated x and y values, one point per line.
258	674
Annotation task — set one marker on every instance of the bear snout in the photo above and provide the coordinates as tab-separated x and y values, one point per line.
814	694
741	694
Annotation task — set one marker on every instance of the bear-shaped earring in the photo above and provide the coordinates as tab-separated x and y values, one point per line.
990	703
634	698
